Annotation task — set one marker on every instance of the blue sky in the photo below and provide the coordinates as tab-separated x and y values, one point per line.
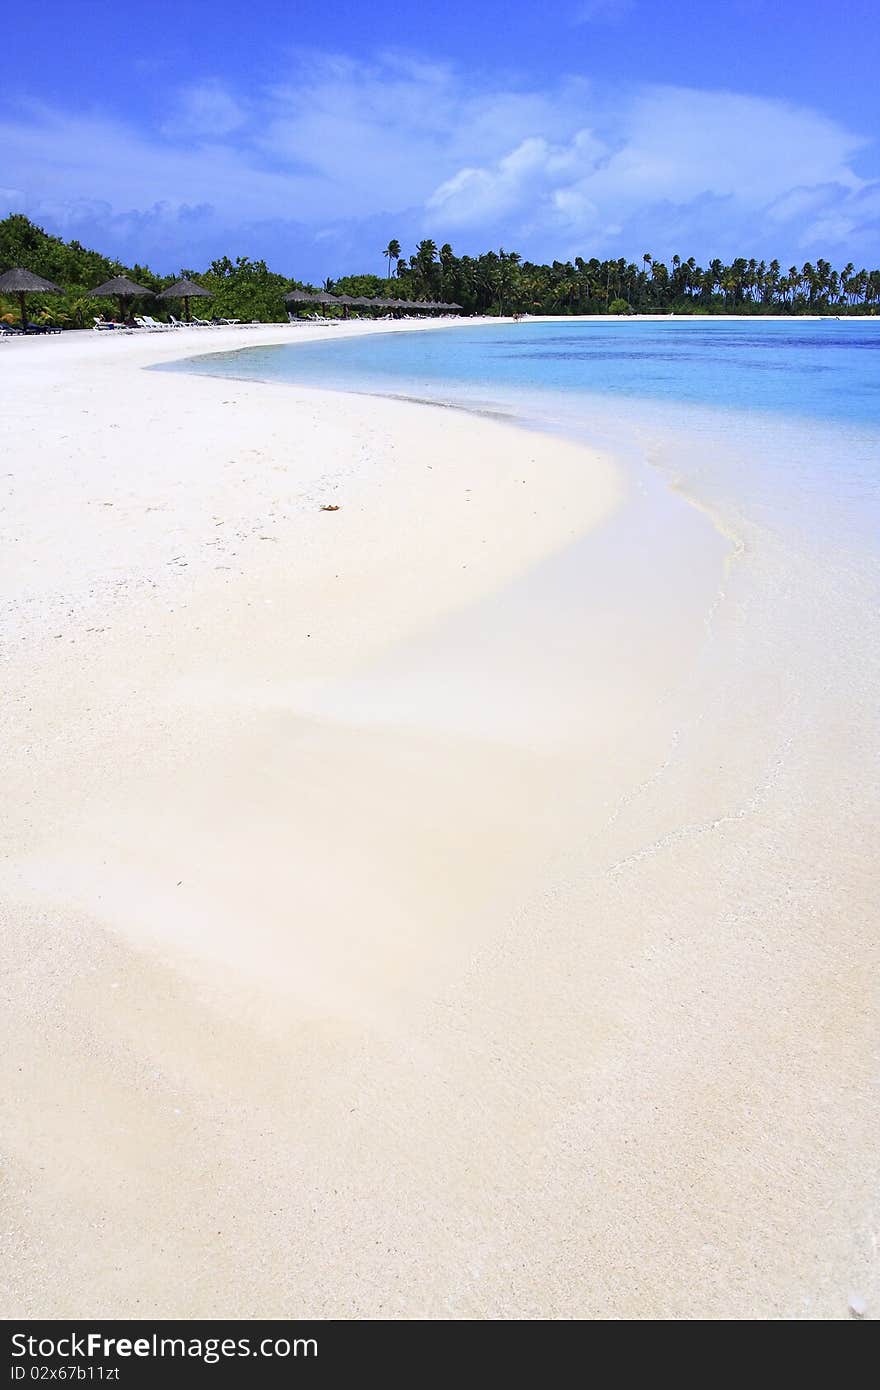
309	134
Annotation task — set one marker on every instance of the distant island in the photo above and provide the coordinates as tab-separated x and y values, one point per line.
496	282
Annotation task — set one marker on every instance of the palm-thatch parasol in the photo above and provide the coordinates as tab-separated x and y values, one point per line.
305	297
23	283
309	297
185	290
344	300
121	288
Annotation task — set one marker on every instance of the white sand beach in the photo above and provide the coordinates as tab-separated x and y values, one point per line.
389	930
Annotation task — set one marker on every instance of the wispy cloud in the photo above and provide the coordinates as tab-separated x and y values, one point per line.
602	11
205	109
312	173
663	145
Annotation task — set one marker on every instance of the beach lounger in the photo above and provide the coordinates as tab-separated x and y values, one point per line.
149	322
101	324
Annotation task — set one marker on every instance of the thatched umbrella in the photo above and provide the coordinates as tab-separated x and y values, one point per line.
345	300
305	297
298	297
22	283
315	297
121	288
185	290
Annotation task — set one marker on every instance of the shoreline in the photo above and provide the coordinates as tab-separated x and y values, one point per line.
373	904
172	649
156	350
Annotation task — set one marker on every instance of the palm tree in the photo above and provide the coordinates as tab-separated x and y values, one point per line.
676	276
447	261
425	260
391	253
659	280
808	281
508	261
646	261
567	290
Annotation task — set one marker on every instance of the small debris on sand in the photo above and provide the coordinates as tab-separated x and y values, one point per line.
330	507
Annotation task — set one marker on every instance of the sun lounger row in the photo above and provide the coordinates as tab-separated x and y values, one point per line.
7	330
146	321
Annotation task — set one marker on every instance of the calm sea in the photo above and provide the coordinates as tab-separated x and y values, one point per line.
771	423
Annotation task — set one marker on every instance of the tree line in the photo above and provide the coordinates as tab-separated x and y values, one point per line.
502	282
496	282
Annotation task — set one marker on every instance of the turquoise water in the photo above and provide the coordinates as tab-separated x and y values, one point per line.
828	370
773	424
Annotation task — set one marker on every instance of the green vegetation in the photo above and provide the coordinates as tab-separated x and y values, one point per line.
500	281
497	282
241	289
392	253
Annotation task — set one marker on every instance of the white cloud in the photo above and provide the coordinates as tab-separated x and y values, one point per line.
797	203
205	109
352	151
602	11
848	222
473	197
664	148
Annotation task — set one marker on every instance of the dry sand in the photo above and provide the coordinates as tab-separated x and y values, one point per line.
368	948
